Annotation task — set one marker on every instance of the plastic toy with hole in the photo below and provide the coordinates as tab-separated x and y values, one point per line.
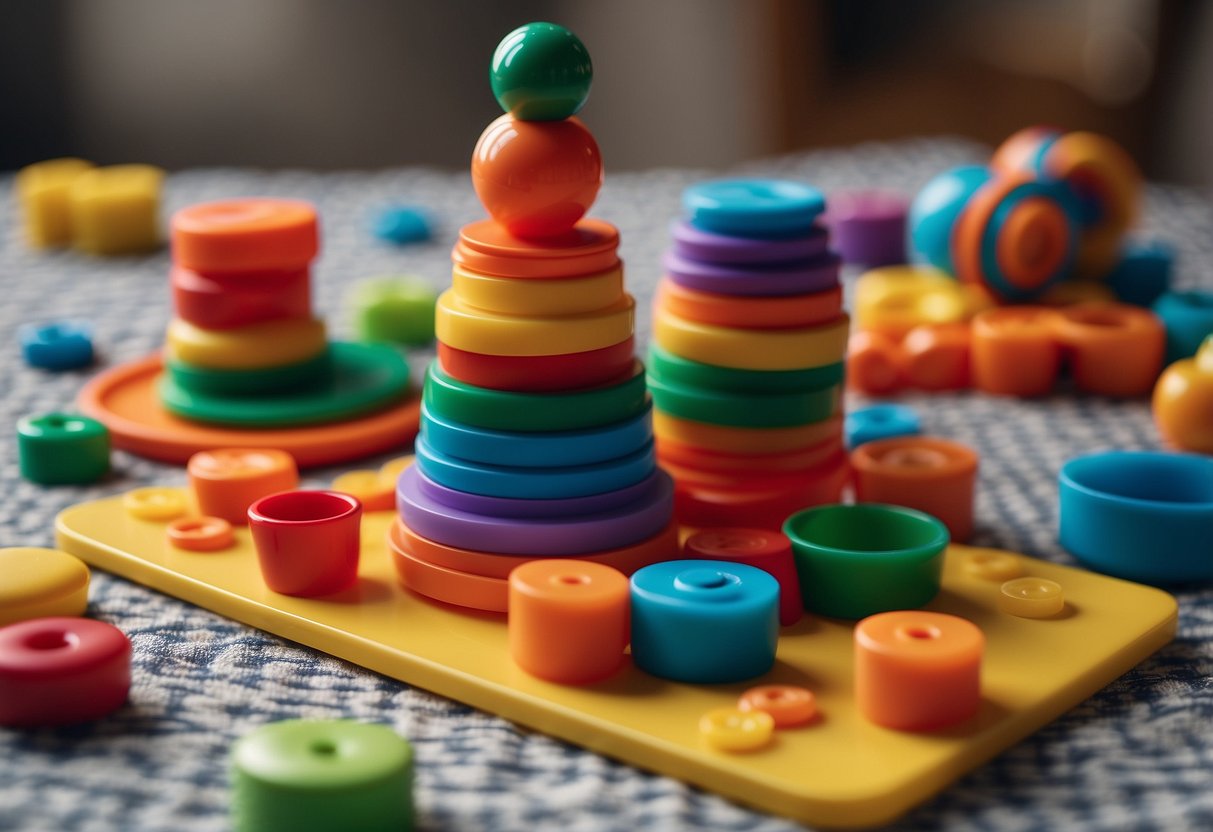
258	346
936	357
935	476
190	380
836	774
39	583
250	235
224	482
787	312
1032	598
62	449
509	410
308	775
679	370
468	328
1111	349
901	552
769	349
569	620
693	243
228	301
58	345
734	730
767	550
127	401
200	534
761	208
1183	402
881	421
61	671
542	298
486	247
540	373
711	460
893	300
1141	515
800	277
1014	351
743	410
731	440
874	364
789	706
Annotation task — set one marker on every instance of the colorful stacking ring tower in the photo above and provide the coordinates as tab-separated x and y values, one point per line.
746	365
536	435
243	349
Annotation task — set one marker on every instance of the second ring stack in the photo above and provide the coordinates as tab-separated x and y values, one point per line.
746	365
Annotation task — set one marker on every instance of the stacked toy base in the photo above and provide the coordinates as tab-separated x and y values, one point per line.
536	436
244	349
746	367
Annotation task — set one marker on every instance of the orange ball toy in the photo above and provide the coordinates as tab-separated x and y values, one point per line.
536	178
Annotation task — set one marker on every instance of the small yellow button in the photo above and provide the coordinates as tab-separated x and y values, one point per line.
990	564
155	503
36	583
730	729
1031	598
375	492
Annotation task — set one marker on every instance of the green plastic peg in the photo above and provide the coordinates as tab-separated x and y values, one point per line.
320	775
395	310
62	449
541	72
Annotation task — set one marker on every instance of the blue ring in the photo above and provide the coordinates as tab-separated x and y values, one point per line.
992	273
755	208
880	421
556	449
535	483
59	345
1142	515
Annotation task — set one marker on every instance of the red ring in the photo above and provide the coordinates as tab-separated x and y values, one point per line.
540	373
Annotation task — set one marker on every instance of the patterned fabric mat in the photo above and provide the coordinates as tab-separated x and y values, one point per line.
1139	755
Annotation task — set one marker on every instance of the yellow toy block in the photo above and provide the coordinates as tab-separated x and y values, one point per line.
42	191
895	299
837	771
116	210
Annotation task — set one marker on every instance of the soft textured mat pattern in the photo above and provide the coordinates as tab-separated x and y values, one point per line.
1137	756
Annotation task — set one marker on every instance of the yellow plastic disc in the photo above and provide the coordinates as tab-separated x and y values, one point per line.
1031	598
372	490
538	296
465	327
895	299
37	583
989	564
155	503
256	347
749	349
730	729
390	471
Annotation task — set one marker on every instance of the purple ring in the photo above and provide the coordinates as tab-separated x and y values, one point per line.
696	244
869	227
803	278
536	509
572	535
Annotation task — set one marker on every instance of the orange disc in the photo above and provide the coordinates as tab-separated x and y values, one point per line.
126	401
486	247
1113	349
226	481
749	312
200	534
704	459
569	619
627	559
246	235
536	178
734	440
788	705
1014	351
449	585
874	364
936	356
917	670
932	475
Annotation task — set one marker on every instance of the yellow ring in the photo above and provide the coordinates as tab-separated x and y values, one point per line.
733	440
538	296
729	729
467	328
256	347
748	349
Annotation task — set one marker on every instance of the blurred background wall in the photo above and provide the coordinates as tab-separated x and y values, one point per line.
372	83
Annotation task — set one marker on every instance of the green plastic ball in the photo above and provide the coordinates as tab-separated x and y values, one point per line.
541	72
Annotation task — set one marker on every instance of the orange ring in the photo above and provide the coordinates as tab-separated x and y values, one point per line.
246	235
932	475
703	459
749	312
788	705
874	364
449	585
1114	349
1014	351
937	356
1027	253
732	440
200	534
627	559
226	481
487	248
972	223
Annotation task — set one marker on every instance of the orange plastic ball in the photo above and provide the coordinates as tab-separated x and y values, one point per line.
536	178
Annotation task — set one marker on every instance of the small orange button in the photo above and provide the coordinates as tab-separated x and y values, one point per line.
787	705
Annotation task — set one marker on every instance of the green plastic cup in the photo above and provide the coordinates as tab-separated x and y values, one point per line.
858	560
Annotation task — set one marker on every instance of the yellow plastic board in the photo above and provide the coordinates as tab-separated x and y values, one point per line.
840	771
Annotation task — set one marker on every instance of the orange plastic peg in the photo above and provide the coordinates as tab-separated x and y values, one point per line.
874	364
227	481
1014	351
936	356
1113	349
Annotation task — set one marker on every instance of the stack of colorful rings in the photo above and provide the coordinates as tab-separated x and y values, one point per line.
536	431
243	348
746	365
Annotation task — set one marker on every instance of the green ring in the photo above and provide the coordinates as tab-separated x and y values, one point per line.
743	410
365	378
62	449
304	775
858	560
532	412
205	381
675	368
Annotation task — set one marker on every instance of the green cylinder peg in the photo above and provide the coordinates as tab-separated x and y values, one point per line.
62	449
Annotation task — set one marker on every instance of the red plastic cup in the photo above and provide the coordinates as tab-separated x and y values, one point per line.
307	541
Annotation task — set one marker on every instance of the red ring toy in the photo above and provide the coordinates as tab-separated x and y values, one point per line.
540	373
